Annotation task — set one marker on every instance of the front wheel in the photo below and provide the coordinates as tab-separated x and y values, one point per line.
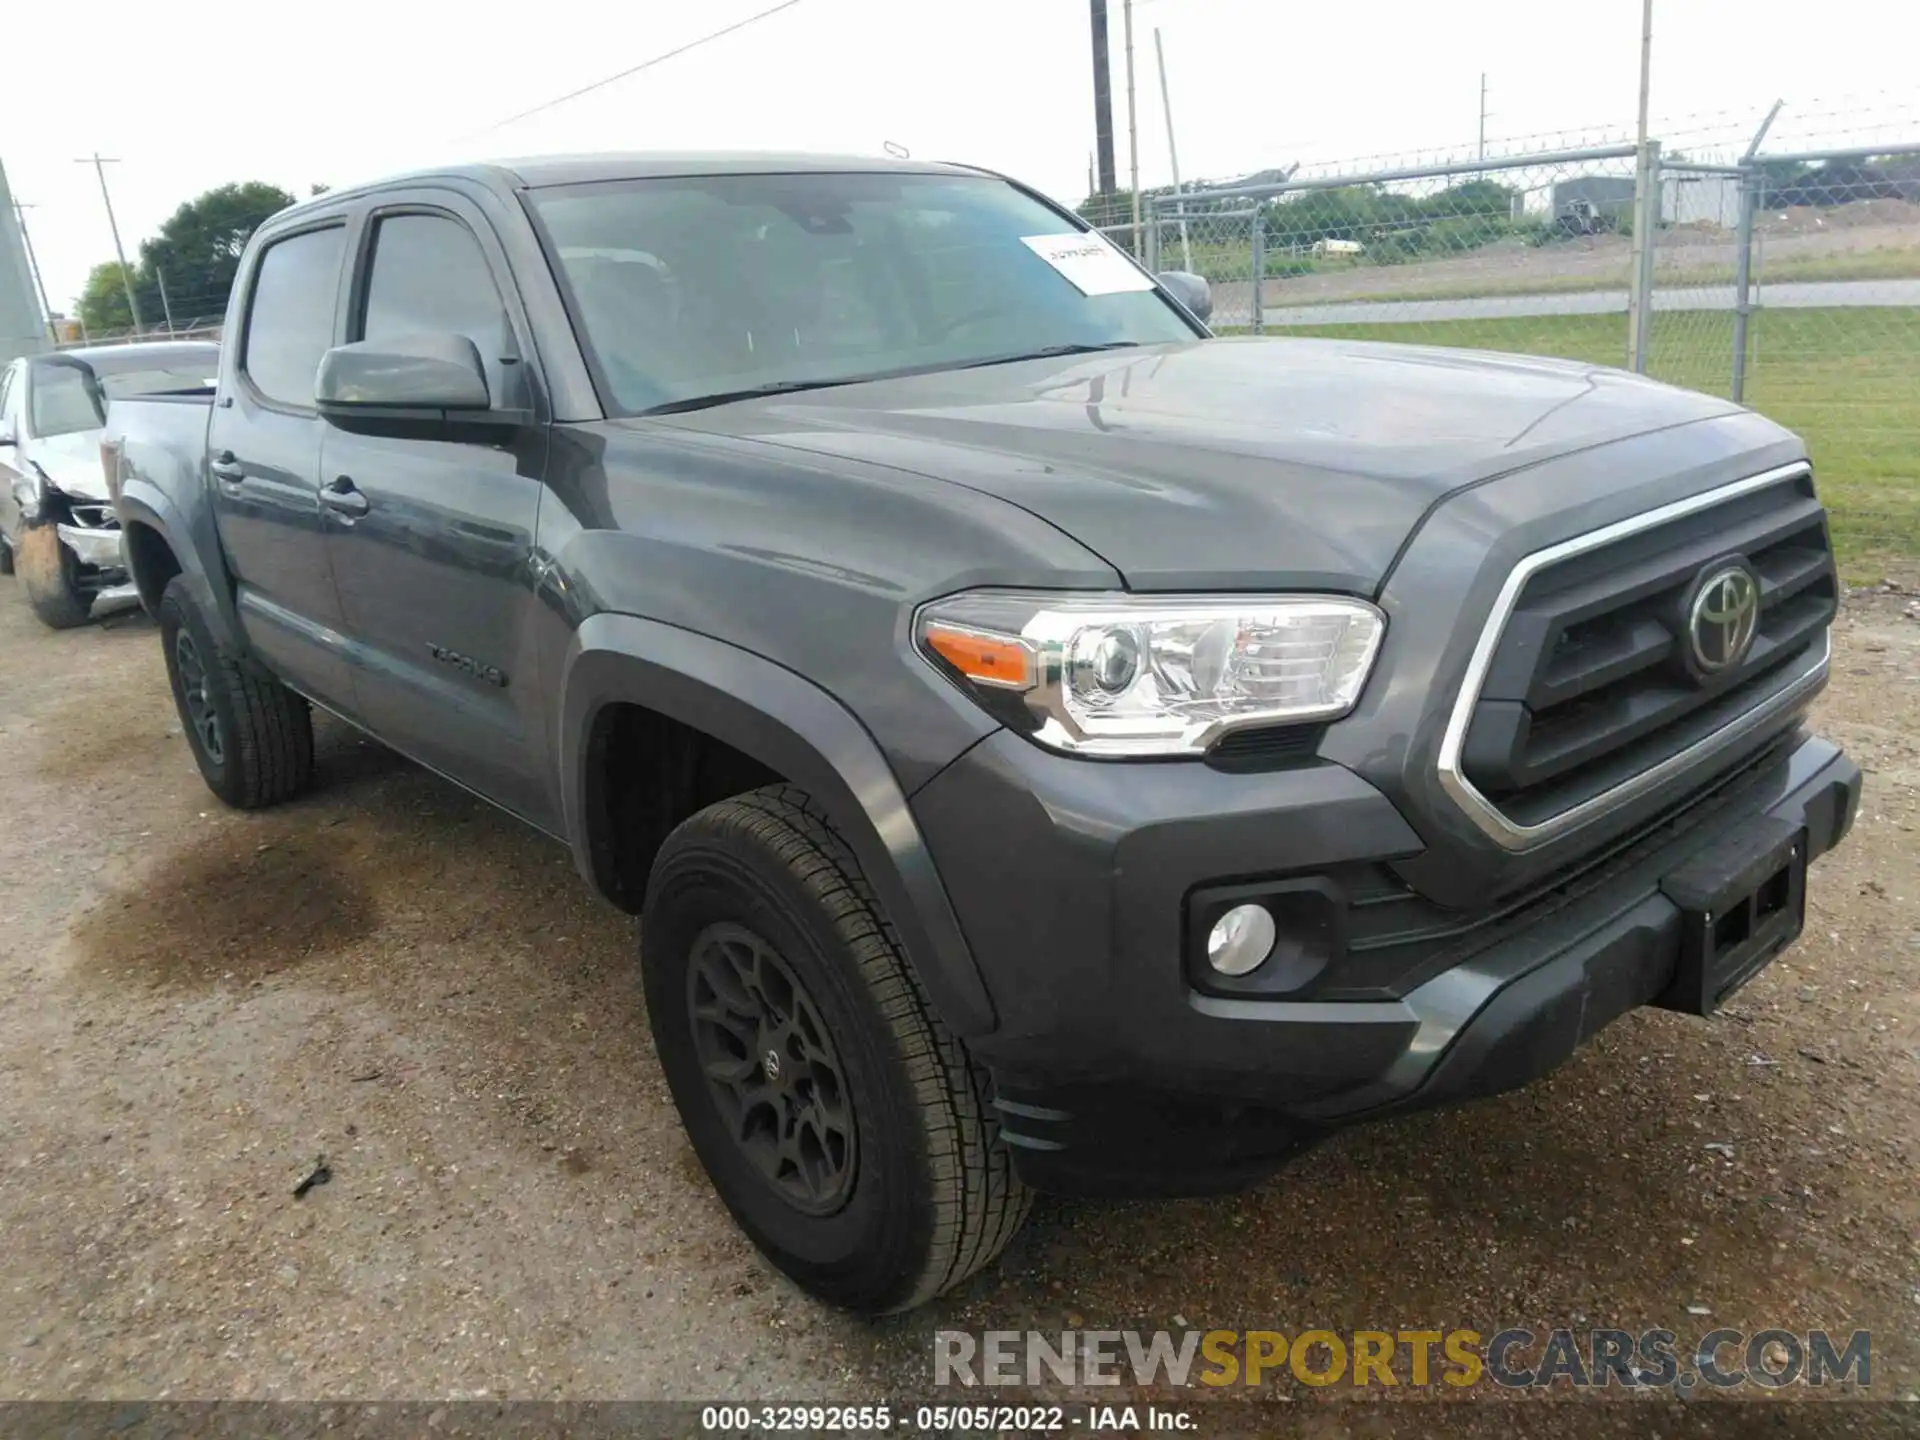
846	1129
50	575
251	736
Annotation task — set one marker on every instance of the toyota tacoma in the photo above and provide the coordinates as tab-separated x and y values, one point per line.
1048	746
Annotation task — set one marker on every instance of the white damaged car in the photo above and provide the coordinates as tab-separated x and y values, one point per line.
57	525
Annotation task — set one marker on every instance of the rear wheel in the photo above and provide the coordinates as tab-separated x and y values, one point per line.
251	736
846	1129
51	577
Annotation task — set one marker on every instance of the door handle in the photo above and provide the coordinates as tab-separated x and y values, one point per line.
227	468
344	497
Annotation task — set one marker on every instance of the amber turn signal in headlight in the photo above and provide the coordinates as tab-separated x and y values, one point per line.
1121	675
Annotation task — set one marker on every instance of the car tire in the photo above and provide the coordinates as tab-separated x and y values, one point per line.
50	576
6	558
251	736
761	937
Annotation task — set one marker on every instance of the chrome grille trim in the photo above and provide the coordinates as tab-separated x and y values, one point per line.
1481	811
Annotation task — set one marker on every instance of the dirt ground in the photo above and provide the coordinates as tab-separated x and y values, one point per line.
199	1003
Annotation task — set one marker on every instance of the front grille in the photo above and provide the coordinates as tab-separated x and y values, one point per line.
93	515
1589	685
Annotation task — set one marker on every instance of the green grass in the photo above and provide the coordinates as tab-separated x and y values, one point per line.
1848	380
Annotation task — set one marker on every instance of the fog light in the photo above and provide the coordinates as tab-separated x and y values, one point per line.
1240	940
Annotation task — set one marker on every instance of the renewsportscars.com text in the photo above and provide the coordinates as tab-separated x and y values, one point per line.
1514	1358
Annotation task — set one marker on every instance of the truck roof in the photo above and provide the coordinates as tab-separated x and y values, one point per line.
536	172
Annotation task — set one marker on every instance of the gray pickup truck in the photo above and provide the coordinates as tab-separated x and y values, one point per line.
1048	745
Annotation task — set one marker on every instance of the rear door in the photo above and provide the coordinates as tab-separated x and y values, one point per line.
431	532
263	449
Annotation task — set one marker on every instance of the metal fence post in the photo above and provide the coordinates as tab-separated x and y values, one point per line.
166	305
1259	267
1646	223
1153	233
1750	182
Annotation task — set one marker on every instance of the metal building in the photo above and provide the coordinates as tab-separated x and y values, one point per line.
23	329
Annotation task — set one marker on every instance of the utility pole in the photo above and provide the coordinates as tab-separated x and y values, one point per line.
1102	101
1483	115
33	264
1646	211
126	276
1133	130
1646	67
1173	152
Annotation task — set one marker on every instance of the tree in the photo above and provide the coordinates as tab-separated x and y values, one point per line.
197	252
1472	197
103	300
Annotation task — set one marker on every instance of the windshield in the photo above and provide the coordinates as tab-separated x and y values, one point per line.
62	398
705	286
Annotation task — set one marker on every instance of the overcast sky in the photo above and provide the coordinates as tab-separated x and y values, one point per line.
188	97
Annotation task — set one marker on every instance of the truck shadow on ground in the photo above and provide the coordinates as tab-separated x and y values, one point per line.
1587	1195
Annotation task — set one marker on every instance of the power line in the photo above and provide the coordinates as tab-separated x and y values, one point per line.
643	65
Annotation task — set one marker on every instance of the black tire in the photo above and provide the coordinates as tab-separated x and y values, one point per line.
50	576
6	558
928	1193
251	736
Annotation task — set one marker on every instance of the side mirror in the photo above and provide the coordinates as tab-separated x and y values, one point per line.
1190	290
411	372
6	433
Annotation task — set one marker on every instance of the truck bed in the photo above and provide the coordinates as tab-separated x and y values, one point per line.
160	437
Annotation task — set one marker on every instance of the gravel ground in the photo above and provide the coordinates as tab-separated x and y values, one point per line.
199	1003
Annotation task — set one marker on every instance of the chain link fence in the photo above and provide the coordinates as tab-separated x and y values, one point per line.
1788	280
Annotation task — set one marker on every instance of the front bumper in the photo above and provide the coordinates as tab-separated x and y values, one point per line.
98	548
1116	1075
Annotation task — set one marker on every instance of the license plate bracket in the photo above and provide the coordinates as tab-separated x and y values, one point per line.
1742	900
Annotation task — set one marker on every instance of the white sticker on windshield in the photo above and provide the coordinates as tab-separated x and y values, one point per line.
1089	262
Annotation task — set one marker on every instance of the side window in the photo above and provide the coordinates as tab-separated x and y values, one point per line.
429	275
290	318
6	391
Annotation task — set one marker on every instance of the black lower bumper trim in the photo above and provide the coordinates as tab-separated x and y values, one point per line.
1499	1020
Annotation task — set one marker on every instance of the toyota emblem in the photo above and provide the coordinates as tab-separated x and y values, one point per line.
1723	618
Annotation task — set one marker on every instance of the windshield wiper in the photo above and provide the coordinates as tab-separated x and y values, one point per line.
752	392
1050	351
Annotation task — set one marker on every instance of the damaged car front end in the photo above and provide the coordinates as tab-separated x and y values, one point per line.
57	520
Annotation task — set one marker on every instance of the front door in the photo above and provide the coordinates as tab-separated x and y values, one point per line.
263	452
431	535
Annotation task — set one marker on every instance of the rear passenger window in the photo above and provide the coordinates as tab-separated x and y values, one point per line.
430	276
290	319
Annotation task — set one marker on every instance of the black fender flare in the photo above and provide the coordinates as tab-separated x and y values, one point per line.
141	502
794	727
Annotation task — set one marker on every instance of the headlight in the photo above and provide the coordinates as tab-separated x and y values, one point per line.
1119	675
30	492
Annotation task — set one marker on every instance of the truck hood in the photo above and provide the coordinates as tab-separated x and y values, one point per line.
72	463
1232	462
